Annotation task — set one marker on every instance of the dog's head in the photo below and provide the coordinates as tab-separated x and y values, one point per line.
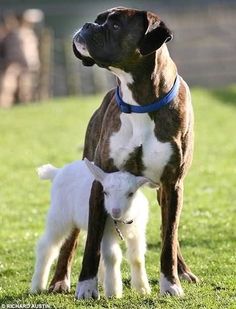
119	37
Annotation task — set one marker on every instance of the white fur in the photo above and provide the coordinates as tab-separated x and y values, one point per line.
87	289
47	171
125	79
82	48
70	207
137	130
166	287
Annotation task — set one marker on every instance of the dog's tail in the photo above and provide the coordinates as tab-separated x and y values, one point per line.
47	171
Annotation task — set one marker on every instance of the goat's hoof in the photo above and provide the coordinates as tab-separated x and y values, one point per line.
36	290
190	277
166	287
62	286
114	295
87	289
113	291
143	289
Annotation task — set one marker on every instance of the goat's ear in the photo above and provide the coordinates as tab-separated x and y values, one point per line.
97	172
141	181
156	34
144	180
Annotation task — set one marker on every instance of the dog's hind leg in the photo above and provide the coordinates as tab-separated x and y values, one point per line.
61	280
183	269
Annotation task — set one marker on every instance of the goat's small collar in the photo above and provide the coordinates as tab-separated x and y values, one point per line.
118	230
148	108
124	222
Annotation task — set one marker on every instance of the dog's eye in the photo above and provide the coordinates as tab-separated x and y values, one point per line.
130	194
115	26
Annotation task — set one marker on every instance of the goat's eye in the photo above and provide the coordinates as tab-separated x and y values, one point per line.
130	194
115	26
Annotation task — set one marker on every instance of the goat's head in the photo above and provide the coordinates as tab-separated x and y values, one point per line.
119	190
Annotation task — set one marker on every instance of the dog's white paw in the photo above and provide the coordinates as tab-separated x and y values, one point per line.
166	287
87	289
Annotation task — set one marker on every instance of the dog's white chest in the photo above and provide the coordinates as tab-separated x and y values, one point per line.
137	130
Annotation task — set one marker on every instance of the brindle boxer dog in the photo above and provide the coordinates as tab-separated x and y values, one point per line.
152	135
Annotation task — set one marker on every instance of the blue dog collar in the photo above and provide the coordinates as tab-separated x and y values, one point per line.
148	108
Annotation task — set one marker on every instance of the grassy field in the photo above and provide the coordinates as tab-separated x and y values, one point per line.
41	133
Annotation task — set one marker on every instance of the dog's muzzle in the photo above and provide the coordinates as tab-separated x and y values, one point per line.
80	44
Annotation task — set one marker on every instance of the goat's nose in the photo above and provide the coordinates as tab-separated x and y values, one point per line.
116	211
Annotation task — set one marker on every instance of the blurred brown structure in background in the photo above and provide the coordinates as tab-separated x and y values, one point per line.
20	59
204	45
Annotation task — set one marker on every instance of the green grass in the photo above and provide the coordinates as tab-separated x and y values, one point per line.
41	133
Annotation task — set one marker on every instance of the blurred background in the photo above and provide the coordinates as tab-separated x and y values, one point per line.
36	59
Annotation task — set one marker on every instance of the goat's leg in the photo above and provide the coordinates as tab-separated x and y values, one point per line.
184	271
87	285
101	272
47	250
136	248
60	282
171	205
111	257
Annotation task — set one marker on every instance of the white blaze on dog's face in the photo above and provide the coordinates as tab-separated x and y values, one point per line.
81	45
119	189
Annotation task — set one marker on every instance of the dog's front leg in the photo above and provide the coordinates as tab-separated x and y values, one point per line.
87	286
184	271
171	204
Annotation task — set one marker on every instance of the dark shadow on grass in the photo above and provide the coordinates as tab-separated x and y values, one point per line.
7	273
153	281
225	95
127	283
195	243
25	297
206	242
154	246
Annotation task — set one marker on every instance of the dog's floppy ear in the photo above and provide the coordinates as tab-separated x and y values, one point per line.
156	34
88	62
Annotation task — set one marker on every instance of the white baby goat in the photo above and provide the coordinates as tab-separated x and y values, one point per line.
70	208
